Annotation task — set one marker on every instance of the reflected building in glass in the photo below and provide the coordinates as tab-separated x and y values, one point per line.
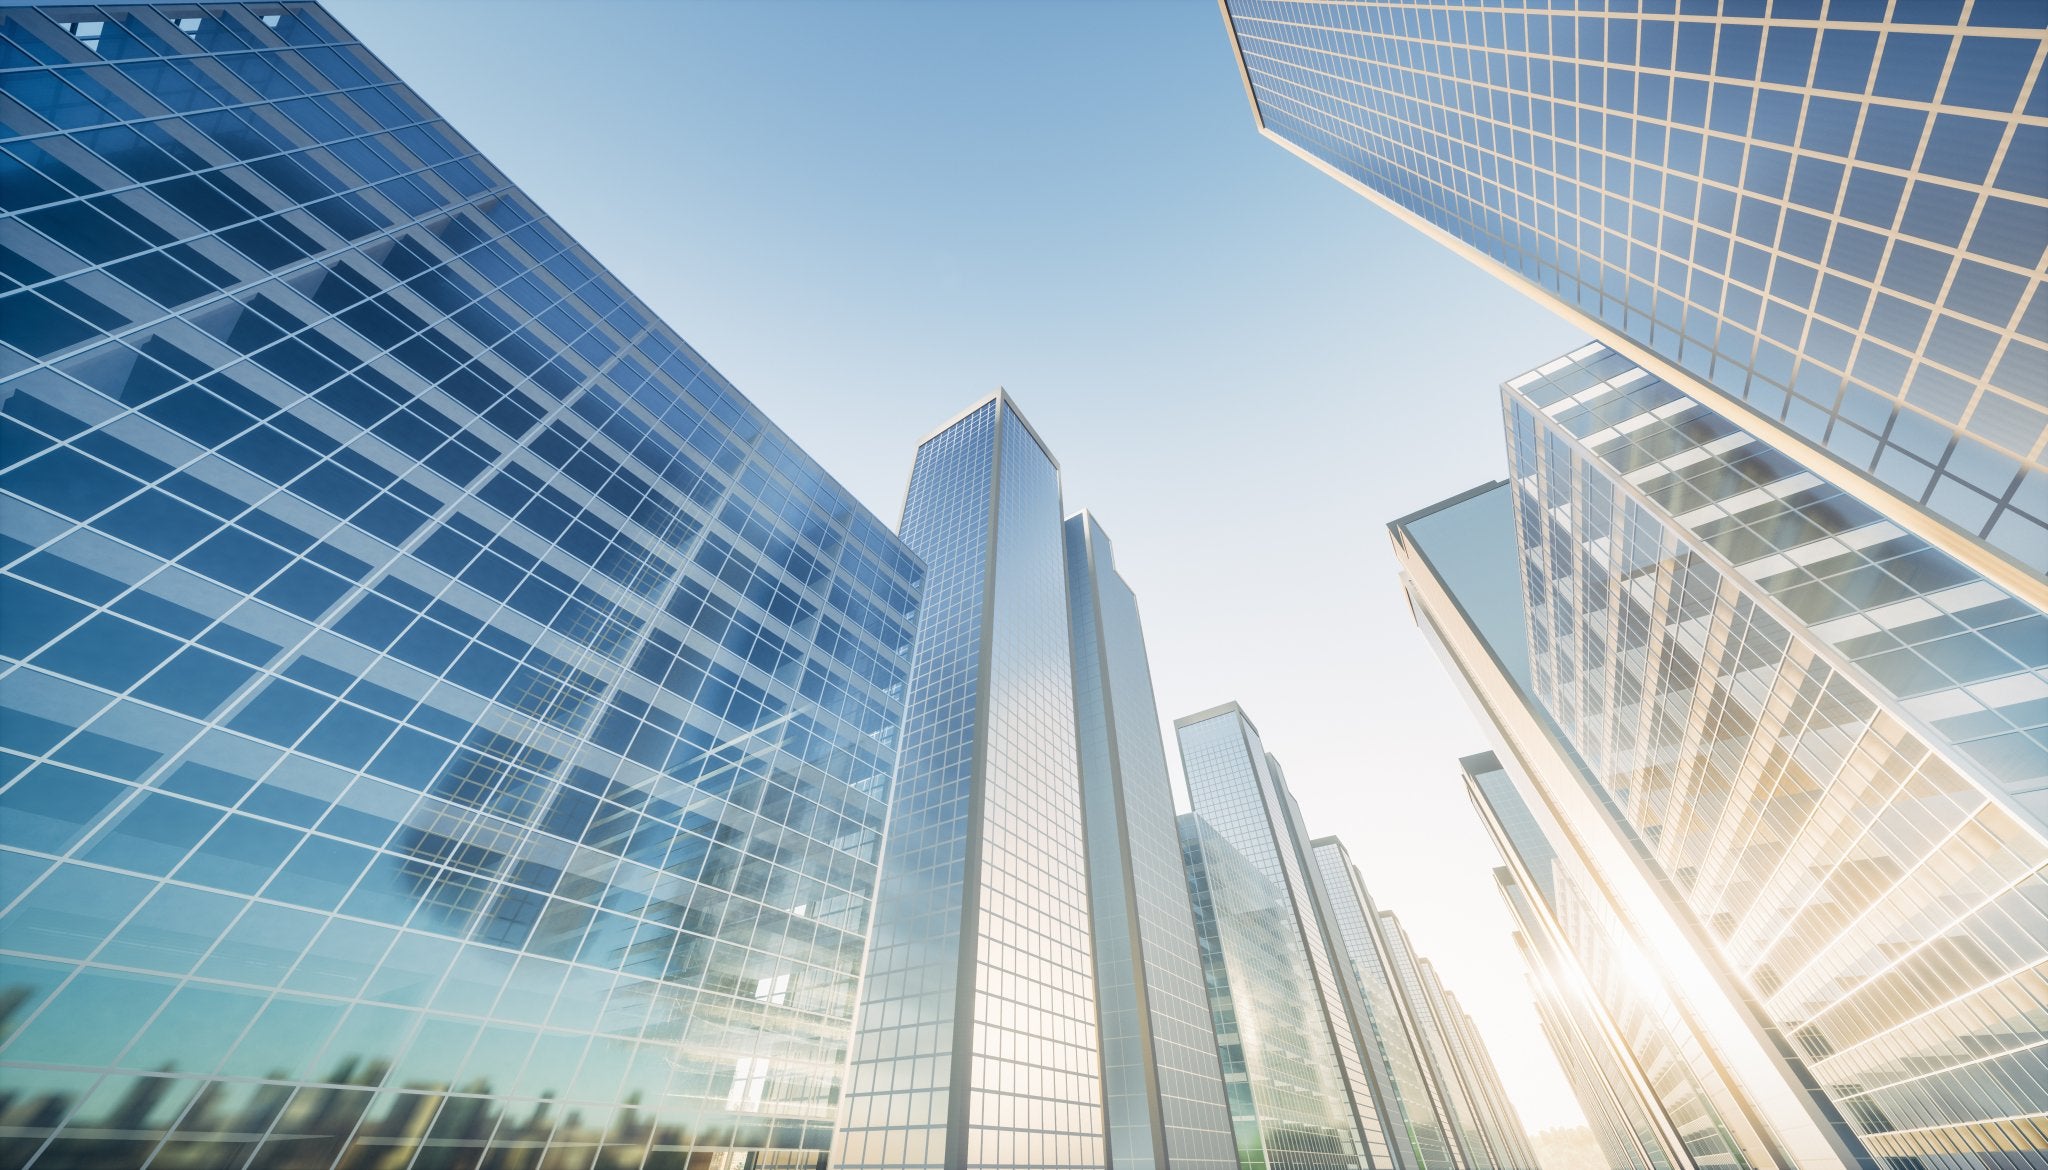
977	1042
1161	1080
1830	231
444	723
1299	1096
1411	1097
1792	758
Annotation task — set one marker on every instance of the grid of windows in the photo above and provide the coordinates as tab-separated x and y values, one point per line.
1408	1093
1704	625
1839	222
899	1083
1924	630
1298	863
1460	1107
440	715
976	1042
1623	938
1037	1070
1161	1079
1502	1126
1284	1057
1279	1073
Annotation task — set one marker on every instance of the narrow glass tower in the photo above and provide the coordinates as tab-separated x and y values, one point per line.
1620	1104
1412	1095
976	1042
1161	1078
1464	1106
1298	1090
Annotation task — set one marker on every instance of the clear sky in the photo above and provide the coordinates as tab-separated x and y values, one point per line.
868	214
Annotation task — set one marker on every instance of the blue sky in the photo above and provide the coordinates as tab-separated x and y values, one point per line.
868	214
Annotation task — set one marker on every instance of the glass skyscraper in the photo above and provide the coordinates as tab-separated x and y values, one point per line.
1717	1087
1298	1092
1410	1097
1503	1129
1588	1062
1830	735
1467	1105
1624	1112
977	1042
1161	1080
444	723
1793	755
1829	229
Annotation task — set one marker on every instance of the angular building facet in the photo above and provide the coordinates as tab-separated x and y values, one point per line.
976	1042
1298	1091
1161	1080
1832	737
441	717
1789	757
1830	230
1411	1097
1716	1088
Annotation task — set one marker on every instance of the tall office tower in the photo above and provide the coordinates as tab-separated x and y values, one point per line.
976	1043
1504	1133
1587	1064
1297	1089
441	716
1370	1087
1161	1080
1829	231
1412	1099
1716	1088
1619	1099
1875	878
1286	1097
1465	1109
1801	748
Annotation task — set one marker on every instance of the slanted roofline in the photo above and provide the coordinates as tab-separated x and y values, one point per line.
1230	707
1427	511
1008	405
1480	762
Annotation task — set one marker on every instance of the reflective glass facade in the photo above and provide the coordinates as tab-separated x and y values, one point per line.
1716	1087
1624	1106
1503	1127
444	724
1161	1079
1290	1058
1407	1095
1464	1109
1837	224
1589	1064
976	1043
1826	736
